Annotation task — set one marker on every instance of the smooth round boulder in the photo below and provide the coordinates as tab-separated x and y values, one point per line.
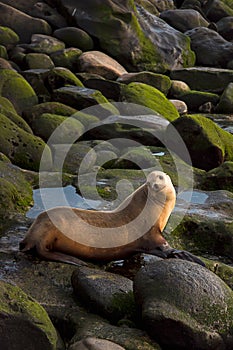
186	305
99	63
74	37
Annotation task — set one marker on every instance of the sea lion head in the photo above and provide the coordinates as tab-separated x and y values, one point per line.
159	182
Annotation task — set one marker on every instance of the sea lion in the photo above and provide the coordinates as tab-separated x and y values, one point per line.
136	225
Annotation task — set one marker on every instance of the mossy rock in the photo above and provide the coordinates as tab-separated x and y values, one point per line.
67	128
202	235
52	107
66	58
74	37
7	108
3	52
60	76
135	158
15	190
196	313
80	98
218	178
224	271
85	119
149	97
226	100
208	145
158	81
74	159
8	37
136	43
195	99
38	61
21	316
22	148
14	87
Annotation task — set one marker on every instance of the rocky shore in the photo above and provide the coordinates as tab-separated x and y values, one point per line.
95	95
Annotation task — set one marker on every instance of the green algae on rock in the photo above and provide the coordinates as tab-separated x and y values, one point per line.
67	129
218	178
22	148
21	316
150	97
208	145
52	107
14	87
8	37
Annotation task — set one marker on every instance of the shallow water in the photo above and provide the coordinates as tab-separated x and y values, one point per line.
46	198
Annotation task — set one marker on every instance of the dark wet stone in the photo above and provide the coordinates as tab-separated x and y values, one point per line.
185	305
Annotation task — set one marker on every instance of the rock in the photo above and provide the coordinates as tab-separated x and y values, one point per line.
136	43
225	104
14	87
74	37
80	98
181	106
106	293
92	343
126	336
37	79
135	158
208	145
18	21
20	316
38	61
178	88
52	107
110	89
219	178
176	54
4	64
194	99
46	44
159	81
7	109
149	97
204	78
15	191
97	62
39	9
78	158
85	119
67	128
22	148
184	19
8	37
3	52
59	76
67	58
210	48
225	27
219	9
196	313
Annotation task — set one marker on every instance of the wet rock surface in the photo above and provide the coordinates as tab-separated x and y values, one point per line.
181	303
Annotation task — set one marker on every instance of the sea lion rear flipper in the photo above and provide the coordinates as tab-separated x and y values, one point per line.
61	257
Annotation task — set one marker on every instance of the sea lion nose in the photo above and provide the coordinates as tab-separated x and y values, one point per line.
155	186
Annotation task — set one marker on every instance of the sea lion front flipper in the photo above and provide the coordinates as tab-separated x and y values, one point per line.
184	255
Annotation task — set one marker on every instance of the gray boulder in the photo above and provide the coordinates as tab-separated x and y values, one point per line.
185	305
211	49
